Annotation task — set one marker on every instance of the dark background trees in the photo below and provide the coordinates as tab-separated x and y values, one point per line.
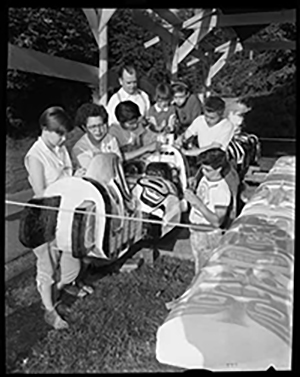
267	80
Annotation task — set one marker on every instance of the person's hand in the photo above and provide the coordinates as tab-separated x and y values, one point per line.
80	172
192	183
178	142
154	146
192	198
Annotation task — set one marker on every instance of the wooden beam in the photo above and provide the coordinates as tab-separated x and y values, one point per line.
93	20
272	45
259	18
106	15
37	62
152	42
169	16
192	62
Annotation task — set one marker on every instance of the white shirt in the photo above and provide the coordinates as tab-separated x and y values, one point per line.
221	133
212	194
57	163
141	98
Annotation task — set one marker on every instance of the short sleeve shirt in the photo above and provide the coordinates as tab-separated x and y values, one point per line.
212	194
127	140
84	150
221	132
140	98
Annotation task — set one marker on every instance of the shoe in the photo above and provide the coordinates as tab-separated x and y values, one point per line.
80	292
53	319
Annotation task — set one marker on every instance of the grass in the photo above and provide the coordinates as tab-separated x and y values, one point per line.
113	330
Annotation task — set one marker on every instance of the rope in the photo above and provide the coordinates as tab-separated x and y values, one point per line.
11	202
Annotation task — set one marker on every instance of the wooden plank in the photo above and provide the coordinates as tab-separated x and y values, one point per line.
152	42
93	21
37	62
241	19
259	18
169	16
106	15
192	61
272	45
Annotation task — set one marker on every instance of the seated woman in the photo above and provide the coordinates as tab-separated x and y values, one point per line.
46	162
93	119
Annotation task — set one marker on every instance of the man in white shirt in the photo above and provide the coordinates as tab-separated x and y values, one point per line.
212	129
129	91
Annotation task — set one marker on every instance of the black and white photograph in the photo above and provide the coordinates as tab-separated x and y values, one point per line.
150	177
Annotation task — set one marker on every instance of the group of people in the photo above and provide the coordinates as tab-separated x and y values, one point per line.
128	128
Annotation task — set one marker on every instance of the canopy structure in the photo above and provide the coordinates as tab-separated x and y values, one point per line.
184	37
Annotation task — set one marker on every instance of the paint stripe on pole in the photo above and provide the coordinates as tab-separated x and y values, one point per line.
229	48
205	25
152	42
104	16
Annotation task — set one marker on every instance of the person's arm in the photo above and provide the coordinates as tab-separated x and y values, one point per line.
130	155
215	218
225	135
147	102
115	148
81	157
37	175
188	133
110	108
197	151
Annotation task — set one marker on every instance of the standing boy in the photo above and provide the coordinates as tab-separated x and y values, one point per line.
210	204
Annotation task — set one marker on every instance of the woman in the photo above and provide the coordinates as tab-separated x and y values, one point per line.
46	162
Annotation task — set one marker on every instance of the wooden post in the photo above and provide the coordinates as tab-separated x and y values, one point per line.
98	19
103	66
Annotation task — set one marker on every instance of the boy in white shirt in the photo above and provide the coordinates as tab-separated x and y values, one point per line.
211	129
211	203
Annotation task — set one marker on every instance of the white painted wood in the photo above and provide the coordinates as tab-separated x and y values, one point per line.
151	42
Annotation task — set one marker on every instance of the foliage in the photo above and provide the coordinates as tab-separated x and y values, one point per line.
65	32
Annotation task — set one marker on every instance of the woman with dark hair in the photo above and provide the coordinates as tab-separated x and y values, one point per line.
46	162
92	119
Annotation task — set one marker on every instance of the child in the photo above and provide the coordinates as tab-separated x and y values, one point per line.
161	116
212	129
188	106
210	205
130	130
